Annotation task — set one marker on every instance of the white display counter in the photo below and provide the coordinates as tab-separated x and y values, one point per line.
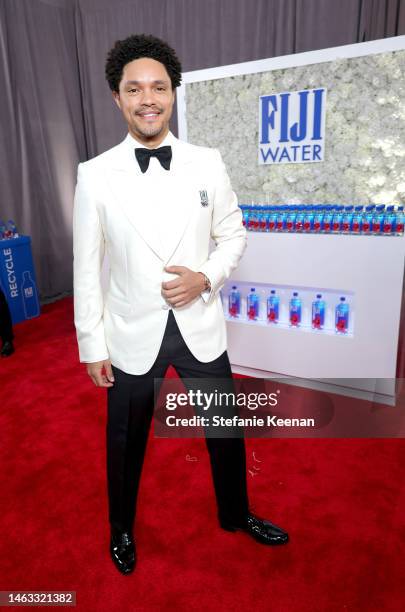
368	270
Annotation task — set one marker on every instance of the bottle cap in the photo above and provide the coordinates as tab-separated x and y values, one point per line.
295	293
319	295
342	299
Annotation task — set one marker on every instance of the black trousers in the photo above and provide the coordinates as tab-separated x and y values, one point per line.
6	327
130	408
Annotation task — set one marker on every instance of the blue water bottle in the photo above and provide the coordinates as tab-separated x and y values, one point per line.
337	220
389	222
356	219
318	312
295	310
342	316
399	221
326	226
252	305
347	218
12	229
261	219
299	218
290	218
272	218
281	219
234	302
378	219
367	220
273	305
264	219
245	215
253	222
318	218
248	213
309	219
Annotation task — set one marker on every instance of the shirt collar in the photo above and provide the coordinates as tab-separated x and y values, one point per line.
134	143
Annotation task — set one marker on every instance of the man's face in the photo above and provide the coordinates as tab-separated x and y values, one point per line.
146	99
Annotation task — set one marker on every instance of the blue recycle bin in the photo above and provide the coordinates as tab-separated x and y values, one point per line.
17	278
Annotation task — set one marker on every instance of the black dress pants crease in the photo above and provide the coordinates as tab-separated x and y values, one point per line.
130	408
6	327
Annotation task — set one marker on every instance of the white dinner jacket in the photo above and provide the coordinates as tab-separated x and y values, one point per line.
146	222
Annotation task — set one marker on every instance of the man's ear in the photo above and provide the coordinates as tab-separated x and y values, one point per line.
117	100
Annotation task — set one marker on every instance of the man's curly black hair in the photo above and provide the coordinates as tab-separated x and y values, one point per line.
137	46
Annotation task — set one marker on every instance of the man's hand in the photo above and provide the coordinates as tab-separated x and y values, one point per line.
182	290
100	373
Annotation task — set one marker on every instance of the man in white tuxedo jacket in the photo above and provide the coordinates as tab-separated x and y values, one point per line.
152	203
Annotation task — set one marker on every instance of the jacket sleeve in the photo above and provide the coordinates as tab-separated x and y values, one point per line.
227	231
88	255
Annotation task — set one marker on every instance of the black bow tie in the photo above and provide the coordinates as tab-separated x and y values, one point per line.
164	155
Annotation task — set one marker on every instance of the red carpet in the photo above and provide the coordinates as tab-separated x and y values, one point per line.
342	502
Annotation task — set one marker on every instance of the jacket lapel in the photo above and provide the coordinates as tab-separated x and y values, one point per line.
160	211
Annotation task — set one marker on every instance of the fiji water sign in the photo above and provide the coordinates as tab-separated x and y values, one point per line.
292	127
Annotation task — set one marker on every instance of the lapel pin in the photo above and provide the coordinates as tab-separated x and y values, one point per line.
203	197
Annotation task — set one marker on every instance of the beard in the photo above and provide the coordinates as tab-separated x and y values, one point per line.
148	130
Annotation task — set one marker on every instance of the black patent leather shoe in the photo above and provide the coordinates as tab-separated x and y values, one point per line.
123	552
260	529
7	349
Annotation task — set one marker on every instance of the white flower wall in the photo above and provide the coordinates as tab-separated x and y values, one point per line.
365	131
